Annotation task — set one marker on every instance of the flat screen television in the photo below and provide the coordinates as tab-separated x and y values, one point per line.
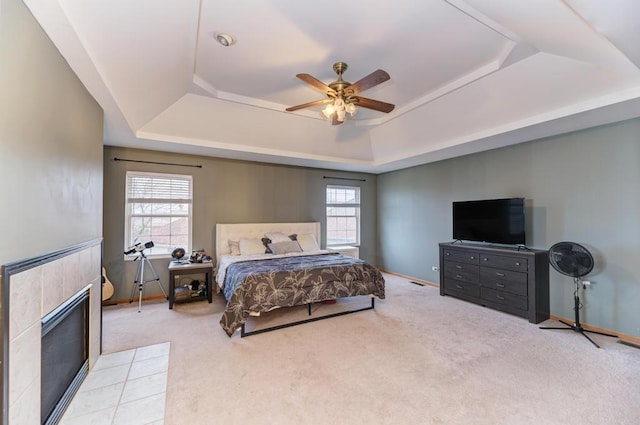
498	221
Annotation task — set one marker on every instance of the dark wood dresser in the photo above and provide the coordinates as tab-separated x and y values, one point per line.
512	280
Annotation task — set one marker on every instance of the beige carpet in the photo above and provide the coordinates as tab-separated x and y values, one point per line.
418	358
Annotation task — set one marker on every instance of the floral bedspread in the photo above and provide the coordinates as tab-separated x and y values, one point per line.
261	285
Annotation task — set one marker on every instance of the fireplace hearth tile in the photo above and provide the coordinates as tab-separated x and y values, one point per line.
141	411
148	367
136	389
99	417
95	399
105	377
150	351
140	399
114	359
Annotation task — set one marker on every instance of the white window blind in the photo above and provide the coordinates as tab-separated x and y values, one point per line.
343	215
159	209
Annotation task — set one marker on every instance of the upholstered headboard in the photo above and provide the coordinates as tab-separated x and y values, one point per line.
226	232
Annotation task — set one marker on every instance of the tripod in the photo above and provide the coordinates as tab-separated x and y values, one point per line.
577	327
140	281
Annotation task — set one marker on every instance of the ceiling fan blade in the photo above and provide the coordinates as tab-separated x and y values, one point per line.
308	104
371	80
376	105
315	83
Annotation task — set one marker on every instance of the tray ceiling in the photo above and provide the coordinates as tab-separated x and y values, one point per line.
466	76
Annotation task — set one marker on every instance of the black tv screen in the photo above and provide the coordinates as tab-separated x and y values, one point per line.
492	220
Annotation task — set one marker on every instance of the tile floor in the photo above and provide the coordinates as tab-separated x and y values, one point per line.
125	388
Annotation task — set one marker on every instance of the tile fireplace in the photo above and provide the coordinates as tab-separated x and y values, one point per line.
37	294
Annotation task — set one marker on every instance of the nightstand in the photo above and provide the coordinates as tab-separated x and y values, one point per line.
351	251
177	270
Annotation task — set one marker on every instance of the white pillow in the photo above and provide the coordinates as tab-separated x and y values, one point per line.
234	247
251	246
284	247
277	237
308	242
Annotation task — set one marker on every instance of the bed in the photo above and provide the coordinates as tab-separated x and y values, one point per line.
296	272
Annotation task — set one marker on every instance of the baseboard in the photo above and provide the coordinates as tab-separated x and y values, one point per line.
625	337
411	278
126	300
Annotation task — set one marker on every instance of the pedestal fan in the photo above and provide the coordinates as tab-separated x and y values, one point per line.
572	259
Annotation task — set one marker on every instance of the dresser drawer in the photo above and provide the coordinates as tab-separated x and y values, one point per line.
462	288
461	256
461	271
504	298
504	280
502	262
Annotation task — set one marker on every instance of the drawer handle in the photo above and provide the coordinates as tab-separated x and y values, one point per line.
459	276
500	274
517	263
500	298
458	266
499	285
472	257
485	259
447	254
459	286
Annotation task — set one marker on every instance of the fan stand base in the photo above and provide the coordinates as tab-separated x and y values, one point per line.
578	328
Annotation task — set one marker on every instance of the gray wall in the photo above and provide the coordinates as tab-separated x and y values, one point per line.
50	156
581	187
225	191
50	144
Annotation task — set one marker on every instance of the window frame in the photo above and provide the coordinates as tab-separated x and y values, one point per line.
128	215
358	214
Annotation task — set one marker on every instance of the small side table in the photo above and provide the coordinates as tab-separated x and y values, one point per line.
351	251
178	269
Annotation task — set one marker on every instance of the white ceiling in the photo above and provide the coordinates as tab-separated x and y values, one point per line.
466	76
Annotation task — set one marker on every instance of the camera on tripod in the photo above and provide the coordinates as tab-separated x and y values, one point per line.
139	247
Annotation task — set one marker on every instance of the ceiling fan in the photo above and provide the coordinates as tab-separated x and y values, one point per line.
342	96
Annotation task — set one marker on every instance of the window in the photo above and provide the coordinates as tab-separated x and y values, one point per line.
158	210
343	215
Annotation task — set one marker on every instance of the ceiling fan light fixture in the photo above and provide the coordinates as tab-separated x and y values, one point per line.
224	39
339	107
351	109
329	110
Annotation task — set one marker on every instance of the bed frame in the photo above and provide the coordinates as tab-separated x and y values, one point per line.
226	232
244	332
